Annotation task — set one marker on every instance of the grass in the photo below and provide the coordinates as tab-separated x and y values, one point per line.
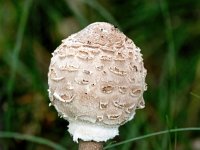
14	62
168	33
31	138
195	95
46	142
152	135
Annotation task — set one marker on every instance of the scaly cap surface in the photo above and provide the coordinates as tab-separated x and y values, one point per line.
96	81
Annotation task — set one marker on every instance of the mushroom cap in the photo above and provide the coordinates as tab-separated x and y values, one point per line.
97	76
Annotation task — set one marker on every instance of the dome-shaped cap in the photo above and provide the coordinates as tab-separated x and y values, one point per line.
96	80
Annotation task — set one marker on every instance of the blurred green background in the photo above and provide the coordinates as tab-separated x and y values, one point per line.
167	31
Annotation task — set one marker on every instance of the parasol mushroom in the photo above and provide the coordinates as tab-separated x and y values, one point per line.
96	82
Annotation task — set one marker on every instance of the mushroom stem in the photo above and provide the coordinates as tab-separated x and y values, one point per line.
90	145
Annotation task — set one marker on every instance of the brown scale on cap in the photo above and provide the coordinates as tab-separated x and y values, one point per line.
101	75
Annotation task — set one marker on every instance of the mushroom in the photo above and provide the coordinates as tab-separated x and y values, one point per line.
96	82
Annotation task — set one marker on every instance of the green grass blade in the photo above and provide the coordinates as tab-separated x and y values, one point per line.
175	141
154	134
169	134
14	61
31	138
169	73
195	95
169	35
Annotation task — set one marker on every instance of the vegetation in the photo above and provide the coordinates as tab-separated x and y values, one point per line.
167	31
